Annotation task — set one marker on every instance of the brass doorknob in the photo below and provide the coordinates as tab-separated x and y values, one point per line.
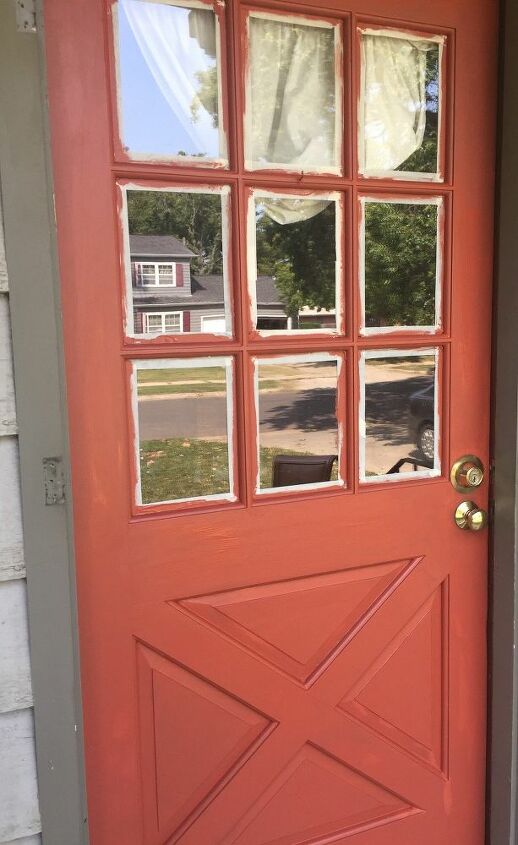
467	473
470	517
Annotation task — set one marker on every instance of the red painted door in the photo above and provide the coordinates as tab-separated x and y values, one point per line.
275	231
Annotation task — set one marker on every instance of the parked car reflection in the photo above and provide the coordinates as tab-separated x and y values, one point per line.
421	421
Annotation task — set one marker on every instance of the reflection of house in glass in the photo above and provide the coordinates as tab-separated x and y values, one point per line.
169	298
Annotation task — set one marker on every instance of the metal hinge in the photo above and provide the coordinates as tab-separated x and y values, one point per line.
54	481
26	15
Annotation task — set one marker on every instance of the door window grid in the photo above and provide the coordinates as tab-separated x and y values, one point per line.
352	341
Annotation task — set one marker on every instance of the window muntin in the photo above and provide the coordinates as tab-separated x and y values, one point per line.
155	275
293	114
295	263
185	233
186	454
399	414
401	264
400	106
168	58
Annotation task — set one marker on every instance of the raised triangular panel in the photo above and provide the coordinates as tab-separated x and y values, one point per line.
318	798
402	695
299	625
197	738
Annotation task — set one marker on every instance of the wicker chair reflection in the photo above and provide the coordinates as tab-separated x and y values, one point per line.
302	469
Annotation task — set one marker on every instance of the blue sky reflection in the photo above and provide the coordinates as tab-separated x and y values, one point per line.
163	73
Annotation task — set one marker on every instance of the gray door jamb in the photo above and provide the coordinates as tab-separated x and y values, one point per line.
503	680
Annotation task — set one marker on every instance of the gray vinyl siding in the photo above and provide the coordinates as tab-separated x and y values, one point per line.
19	812
198	313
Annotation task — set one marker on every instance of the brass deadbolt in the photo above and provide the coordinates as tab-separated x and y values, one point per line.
467	473
470	517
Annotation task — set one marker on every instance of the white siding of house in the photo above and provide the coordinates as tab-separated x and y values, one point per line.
19	814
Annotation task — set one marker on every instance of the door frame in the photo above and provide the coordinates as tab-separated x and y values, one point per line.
31	254
502	785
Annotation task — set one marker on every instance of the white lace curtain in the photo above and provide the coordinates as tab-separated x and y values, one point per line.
394	99
292	93
164	34
291	118
286	210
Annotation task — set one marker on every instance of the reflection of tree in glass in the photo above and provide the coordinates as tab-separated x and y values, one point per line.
301	257
400	264
202	27
206	96
194	219
424	160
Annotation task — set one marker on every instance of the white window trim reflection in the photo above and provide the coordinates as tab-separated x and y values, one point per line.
308	358
432	352
408	176
225	363
366	331
220	161
224	192
300	20
337	198
156	283
162	315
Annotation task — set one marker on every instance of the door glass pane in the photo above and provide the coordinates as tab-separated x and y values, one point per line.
293	118
401	265
398	414
169	81
176	260
184	427
298	428
400	105
294	276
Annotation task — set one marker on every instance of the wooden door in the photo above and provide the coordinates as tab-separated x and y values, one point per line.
275	234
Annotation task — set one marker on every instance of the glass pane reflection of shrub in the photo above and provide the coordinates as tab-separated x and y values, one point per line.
400	264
